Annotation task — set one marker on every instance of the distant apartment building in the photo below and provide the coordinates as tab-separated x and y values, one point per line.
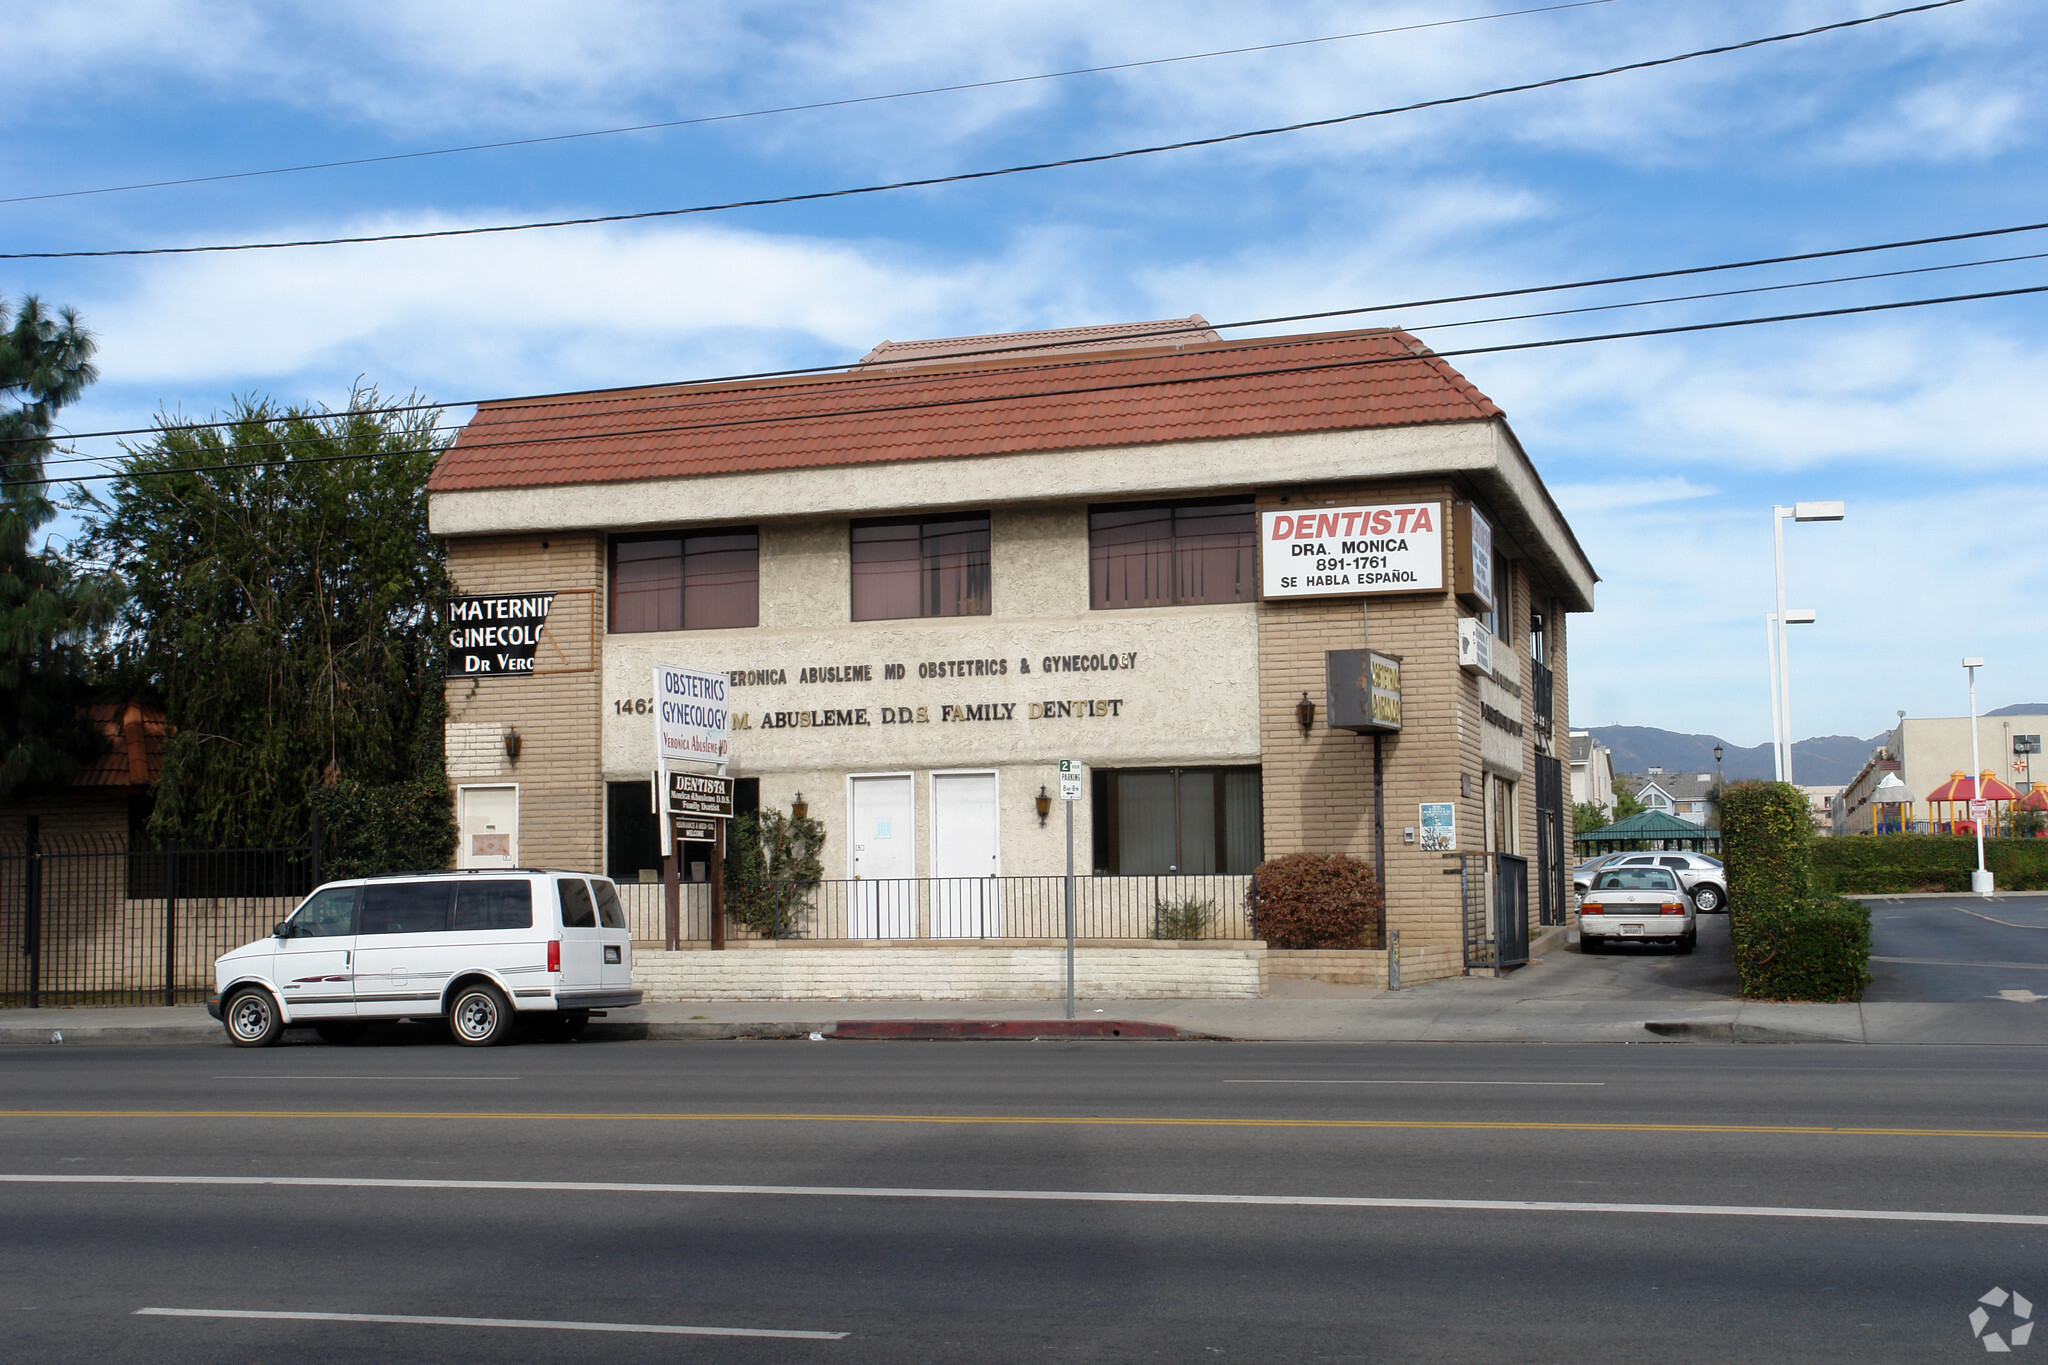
1926	752
1592	771
1686	796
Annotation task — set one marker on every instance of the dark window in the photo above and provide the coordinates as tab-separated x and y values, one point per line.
327	914
1167	554
405	907
695	580
610	913
632	845
493	905
1501	620
1153	821
577	910
930	566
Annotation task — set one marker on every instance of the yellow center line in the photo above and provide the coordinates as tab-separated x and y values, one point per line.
1042	1120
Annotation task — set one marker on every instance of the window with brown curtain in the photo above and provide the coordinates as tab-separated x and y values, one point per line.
920	566
686	580
1161	554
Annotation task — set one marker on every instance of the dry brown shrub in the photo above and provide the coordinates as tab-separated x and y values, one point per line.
1315	900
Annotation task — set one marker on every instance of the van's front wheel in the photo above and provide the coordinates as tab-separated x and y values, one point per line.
251	1017
479	1016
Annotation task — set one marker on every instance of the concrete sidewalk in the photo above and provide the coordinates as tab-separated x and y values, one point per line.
1459	1010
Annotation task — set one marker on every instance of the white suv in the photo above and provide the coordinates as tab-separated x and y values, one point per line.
476	948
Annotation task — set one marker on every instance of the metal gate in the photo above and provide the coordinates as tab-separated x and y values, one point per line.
1550	863
1496	931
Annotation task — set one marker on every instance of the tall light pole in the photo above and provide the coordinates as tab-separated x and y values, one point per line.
1800	511
1777	725
1980	880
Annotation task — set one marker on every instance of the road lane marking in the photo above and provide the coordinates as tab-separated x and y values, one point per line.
418	1320
1949	962
1282	1080
1037	1120
1995	920
365	1078
1308	1201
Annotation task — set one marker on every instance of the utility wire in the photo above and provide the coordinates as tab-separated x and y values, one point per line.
586	396
1424	358
815	196
794	108
1079	362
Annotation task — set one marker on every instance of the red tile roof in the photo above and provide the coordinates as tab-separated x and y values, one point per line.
135	756
1325	382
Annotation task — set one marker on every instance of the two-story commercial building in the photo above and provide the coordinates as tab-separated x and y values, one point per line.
931	576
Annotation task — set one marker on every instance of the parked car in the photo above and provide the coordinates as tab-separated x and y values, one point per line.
1703	878
476	948
1637	903
1582	875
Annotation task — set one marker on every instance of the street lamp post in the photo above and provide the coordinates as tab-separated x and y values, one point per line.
1782	683
1719	783
1980	880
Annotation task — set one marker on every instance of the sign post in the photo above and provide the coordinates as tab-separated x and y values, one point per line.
692	724
1070	792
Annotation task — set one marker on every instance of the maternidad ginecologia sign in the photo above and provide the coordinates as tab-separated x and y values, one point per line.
1342	551
492	636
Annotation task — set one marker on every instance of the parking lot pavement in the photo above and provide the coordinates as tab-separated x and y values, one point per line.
1959	948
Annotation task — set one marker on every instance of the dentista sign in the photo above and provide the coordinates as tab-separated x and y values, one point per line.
1345	551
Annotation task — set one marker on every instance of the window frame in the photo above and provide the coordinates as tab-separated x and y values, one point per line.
1175	509
1106	854
930	563
681	538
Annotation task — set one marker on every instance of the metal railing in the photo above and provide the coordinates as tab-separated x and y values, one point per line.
93	922
1169	906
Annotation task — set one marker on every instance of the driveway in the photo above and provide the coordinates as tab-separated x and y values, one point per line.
1956	948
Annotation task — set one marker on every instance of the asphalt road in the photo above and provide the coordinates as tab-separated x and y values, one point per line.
1958	948
1034	1263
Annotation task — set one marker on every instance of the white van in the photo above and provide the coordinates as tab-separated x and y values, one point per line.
475	947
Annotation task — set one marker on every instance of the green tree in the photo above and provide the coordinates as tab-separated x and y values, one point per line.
284	606
1588	816
50	608
1625	803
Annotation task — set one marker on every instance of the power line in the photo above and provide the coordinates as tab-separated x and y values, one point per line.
1368	362
585	396
795	108
1081	362
1098	158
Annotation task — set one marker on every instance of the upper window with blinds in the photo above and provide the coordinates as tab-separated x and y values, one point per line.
920	566
686	580
1163	554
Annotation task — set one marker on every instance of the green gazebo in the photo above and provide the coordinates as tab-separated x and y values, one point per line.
1652	829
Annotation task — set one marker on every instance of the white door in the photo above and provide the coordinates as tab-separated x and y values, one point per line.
883	846
964	901
489	820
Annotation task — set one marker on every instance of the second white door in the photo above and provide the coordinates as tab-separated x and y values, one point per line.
965	903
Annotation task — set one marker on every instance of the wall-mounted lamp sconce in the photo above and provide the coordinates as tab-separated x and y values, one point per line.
1305	715
1044	804
799	808
512	744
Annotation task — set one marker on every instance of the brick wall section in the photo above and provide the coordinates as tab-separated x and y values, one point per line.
561	789
1139	971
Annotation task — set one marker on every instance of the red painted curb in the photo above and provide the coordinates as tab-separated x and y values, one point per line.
1001	1028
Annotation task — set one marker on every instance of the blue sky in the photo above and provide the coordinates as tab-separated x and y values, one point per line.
1666	453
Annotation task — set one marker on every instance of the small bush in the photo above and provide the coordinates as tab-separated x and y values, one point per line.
1767	838
395	827
1803	950
1888	864
1315	900
771	867
1186	918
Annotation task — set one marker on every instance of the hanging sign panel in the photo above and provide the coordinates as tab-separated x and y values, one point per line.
692	723
697	797
491	636
1345	551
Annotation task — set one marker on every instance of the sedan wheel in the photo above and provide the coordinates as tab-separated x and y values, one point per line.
1708	898
480	1016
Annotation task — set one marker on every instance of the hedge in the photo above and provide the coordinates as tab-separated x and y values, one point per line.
1315	900
1887	864
1815	949
1766	838
396	827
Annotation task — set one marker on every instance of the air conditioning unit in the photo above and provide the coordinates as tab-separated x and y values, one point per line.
1475	646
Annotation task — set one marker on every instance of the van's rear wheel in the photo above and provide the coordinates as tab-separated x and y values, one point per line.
252	1018
479	1016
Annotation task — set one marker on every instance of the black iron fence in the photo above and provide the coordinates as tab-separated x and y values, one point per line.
95	922
1169	906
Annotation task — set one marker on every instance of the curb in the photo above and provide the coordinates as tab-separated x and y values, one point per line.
1728	1031
92	1034
1015	1029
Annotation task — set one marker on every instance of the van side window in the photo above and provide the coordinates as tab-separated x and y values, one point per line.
327	914
610	913
577	911
493	905
405	907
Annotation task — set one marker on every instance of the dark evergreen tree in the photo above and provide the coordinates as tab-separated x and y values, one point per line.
50	609
284	605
